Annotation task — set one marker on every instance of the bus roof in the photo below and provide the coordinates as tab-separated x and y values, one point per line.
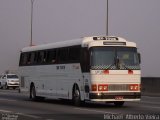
53	45
82	41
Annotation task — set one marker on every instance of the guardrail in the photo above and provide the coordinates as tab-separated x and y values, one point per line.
150	86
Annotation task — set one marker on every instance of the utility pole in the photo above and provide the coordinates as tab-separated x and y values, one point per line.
31	39
107	21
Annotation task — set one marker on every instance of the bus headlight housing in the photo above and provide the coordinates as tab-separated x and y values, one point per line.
103	87
134	87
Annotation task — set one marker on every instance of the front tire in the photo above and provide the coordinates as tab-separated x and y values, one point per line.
76	96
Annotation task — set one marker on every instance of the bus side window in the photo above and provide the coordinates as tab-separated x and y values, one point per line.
25	58
62	55
74	54
51	56
36	58
29	59
21	62
41	57
32	58
44	57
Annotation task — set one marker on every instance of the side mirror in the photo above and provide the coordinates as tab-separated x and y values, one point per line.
139	57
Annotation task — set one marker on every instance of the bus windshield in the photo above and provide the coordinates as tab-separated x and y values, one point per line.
123	58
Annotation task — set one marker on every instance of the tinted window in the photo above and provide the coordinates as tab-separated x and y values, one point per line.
23	59
63	55
74	54
41	57
51	56
29	58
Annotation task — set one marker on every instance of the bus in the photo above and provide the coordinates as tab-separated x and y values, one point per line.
97	69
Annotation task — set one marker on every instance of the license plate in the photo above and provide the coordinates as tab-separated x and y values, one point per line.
118	97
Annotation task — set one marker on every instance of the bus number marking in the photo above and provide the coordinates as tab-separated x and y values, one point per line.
60	67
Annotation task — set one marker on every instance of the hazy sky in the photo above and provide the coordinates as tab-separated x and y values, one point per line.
58	20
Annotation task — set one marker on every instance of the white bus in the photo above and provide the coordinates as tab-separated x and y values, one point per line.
99	69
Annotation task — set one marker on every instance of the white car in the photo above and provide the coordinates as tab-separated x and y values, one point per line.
9	80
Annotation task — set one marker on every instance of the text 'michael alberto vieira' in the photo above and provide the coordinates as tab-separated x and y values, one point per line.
131	116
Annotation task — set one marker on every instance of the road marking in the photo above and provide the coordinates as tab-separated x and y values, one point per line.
151	107
6	91
50	119
5	111
7	99
150	102
27	115
98	111
150	96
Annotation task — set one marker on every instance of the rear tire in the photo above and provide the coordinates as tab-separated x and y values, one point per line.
33	93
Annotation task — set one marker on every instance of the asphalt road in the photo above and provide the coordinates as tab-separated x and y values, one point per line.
16	106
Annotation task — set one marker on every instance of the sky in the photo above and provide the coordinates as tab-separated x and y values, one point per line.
59	20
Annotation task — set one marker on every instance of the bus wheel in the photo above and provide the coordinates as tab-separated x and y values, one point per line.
119	103
76	96
33	93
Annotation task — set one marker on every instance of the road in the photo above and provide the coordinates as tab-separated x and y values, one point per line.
16	106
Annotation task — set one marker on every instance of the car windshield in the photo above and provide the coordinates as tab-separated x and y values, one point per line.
12	76
114	58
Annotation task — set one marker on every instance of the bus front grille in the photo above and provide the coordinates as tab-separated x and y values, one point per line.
118	87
